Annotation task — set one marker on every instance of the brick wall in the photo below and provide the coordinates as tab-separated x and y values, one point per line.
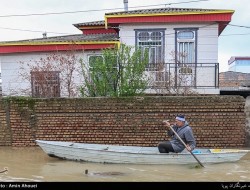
5	129
247	111
231	79
217	121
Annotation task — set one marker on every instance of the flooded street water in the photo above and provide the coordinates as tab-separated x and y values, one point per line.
33	165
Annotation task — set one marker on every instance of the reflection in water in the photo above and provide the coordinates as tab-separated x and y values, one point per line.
33	165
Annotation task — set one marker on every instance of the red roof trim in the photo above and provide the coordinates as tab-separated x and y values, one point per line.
171	18
44	48
98	31
232	59
222	18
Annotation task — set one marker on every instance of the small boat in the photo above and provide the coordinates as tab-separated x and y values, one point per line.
102	153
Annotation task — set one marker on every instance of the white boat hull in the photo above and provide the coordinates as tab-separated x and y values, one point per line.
134	154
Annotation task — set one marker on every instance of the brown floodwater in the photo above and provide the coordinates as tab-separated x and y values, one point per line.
33	165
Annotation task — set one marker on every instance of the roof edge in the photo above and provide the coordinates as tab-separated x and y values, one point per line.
173	13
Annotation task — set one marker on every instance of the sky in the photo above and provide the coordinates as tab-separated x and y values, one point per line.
29	19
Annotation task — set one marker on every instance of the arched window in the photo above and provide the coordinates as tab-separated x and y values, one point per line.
151	40
186	45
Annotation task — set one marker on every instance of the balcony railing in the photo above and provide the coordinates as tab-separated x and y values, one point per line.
193	75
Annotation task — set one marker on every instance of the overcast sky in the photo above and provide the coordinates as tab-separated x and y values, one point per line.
234	40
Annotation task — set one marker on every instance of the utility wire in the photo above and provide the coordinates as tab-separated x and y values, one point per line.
239	26
44	14
37	31
235	34
94	10
23	30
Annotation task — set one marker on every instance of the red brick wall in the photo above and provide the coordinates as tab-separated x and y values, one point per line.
217	121
247	111
233	79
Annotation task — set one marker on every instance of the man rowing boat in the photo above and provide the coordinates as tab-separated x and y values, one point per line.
184	131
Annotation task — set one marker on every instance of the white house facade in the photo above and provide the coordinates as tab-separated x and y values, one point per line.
182	46
202	41
239	64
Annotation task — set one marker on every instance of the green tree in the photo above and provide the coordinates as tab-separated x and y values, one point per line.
119	72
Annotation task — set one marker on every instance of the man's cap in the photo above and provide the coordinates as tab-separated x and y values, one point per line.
180	117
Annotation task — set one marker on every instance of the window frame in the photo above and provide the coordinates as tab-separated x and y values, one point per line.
187	40
46	88
158	52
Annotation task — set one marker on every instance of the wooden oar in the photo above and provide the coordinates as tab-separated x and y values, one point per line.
186	146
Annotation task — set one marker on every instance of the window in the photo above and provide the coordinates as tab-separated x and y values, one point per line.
185	35
96	66
186	43
186	46
94	59
102	71
45	84
153	42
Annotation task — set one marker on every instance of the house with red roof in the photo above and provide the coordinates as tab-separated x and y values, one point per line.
182	44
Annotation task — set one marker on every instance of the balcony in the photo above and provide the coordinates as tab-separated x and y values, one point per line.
201	78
